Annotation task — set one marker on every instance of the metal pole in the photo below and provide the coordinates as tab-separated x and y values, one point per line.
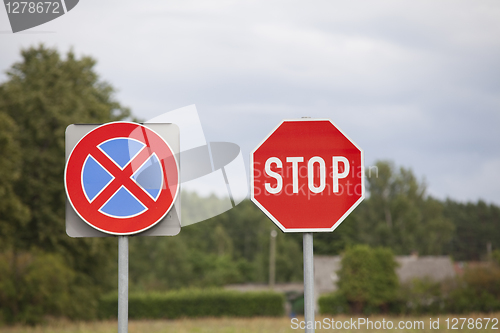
308	282
272	259
122	284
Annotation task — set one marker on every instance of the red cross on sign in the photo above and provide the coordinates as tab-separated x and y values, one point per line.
122	178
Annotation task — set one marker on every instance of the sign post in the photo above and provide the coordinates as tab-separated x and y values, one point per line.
122	284
307	241
121	179
307	176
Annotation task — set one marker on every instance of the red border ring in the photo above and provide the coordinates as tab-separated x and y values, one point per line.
157	209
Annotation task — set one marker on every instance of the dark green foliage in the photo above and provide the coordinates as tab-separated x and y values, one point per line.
368	277
36	285
298	305
333	303
478	291
383	276
43	94
401	215
196	303
13	213
229	248
249	231
476	224
396	214
496	257
424	296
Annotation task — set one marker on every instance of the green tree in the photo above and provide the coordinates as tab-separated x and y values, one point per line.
160	263
398	214
12	211
477	227
43	285
368	277
352	231
495	257
250	230
43	94
229	248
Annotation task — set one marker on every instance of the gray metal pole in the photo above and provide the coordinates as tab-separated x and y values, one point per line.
272	259
122	284
308	282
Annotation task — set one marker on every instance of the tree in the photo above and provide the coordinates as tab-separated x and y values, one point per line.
12	211
477	227
368	277
229	248
43	94
398	214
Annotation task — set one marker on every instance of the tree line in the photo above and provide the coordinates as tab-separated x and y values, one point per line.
42	270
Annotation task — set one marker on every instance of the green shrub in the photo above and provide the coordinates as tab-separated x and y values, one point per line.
35	285
333	303
367	279
478	291
466	300
423	296
298	305
196	303
495	255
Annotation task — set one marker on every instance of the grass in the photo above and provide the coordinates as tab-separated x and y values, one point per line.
241	325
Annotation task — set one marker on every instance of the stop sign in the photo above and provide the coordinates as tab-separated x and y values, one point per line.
307	175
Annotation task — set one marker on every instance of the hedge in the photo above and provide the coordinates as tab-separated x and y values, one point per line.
333	303
196	303
463	299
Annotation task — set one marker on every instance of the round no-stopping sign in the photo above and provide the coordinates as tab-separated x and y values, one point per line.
121	178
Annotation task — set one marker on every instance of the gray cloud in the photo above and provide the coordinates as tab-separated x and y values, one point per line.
414	82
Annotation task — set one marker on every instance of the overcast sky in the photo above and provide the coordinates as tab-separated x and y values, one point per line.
414	82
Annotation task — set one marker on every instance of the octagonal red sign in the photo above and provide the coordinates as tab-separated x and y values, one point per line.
307	175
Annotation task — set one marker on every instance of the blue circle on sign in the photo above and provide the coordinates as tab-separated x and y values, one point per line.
122	204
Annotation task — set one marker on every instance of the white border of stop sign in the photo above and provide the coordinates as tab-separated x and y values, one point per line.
293	161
